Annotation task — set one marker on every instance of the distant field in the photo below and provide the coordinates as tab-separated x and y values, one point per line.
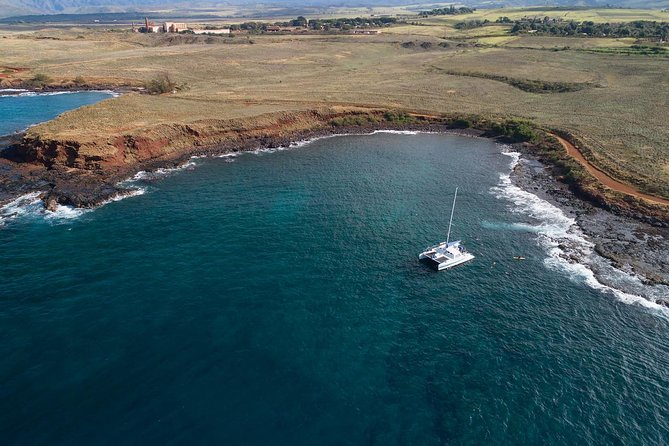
622	115
594	15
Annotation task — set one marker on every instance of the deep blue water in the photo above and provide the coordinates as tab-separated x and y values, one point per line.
278	299
19	112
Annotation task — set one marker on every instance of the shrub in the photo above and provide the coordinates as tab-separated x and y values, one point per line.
79	80
515	131
461	123
398	117
161	84
353	120
39	81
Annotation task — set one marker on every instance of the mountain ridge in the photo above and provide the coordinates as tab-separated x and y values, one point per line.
10	8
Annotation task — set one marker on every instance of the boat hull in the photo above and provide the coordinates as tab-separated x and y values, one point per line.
446	255
455	262
440	266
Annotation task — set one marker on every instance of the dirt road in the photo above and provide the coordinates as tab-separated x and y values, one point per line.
605	179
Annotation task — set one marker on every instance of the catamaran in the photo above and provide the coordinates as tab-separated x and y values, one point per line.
447	254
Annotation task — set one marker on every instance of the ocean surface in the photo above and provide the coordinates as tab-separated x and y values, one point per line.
20	109
276	298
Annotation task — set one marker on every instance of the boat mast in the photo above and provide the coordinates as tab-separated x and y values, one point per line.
448	237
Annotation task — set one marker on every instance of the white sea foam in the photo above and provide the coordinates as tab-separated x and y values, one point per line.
19	207
128	193
268	150
145	175
520	227
63	212
397	132
31	206
569	250
19	92
228	157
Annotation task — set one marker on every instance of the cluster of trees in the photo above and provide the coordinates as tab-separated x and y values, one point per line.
341	24
348	23
469	24
39	81
448	11
556	27
248	26
515	131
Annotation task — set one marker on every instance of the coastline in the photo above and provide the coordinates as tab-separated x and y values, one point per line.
636	249
25	168
85	172
632	246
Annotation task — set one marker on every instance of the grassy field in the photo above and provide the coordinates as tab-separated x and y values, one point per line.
621	115
577	14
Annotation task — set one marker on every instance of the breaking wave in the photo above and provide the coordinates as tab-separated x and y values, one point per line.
22	206
569	249
30	205
146	175
20	92
397	132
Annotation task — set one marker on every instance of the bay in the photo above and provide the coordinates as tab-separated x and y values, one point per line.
276	298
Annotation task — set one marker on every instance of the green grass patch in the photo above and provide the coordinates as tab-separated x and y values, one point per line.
529	85
634	50
399	118
355	120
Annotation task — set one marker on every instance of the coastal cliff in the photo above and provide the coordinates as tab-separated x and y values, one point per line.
164	141
83	171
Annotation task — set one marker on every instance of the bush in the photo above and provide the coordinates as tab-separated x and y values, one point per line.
160	85
515	131
398	117
79	80
353	120
39	81
461	123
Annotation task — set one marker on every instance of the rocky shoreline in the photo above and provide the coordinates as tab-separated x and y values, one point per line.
632	246
11	88
87	188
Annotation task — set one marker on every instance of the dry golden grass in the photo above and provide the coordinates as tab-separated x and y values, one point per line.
594	15
624	118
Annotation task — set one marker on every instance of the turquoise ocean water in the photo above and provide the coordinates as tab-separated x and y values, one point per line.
276	298
22	109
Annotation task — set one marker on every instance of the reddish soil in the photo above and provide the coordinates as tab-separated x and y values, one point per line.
604	178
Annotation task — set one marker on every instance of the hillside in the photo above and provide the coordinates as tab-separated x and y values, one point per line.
10	8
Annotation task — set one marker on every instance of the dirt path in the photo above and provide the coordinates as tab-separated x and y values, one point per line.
605	179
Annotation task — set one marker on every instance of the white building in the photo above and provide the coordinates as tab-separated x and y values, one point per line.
211	31
171	27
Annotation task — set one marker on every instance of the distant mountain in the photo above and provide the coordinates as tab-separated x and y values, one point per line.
10	8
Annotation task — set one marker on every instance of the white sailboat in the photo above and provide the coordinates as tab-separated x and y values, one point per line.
447	254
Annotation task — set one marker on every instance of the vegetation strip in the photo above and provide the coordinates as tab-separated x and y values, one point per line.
603	177
529	85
